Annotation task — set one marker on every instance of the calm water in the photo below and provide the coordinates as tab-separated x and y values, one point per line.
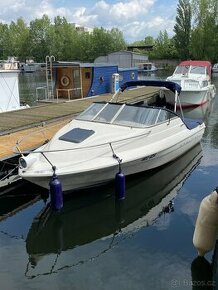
144	242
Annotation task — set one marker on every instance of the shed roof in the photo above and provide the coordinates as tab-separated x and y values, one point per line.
80	64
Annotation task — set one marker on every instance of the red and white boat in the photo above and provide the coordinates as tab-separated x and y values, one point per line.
194	77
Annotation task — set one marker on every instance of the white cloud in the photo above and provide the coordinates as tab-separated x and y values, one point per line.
139	30
136	18
82	17
121	12
102	5
131	9
44	8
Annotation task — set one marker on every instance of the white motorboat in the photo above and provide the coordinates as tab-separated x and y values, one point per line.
194	77
147	67
109	136
30	67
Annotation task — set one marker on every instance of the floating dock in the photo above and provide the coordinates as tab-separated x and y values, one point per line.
30	128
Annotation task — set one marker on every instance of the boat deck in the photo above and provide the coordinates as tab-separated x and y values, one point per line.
30	128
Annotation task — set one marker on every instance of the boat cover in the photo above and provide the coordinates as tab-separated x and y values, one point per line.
152	83
198	63
192	123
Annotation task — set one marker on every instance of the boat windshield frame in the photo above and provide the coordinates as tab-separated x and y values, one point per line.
129	115
190	69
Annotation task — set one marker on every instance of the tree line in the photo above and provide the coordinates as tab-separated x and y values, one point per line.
61	39
196	37
196	33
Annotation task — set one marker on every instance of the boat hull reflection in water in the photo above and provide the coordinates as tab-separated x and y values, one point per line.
91	216
199	113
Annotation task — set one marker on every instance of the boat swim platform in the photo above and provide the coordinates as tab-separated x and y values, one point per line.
27	129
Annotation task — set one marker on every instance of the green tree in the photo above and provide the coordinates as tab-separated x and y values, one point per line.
164	47
3	37
39	38
204	38
149	40
117	40
182	29
138	43
100	43
103	41
84	47
63	40
15	39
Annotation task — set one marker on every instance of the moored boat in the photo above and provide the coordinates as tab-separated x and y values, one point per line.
215	68
30	67
194	77
91	149
147	67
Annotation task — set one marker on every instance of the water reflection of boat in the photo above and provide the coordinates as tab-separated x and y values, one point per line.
15	198
199	113
88	217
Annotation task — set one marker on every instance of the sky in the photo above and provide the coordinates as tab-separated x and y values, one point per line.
135	18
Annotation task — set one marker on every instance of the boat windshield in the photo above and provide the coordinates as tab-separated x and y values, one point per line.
125	115
198	70
181	69
185	69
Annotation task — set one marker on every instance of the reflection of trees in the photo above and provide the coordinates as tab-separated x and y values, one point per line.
200	113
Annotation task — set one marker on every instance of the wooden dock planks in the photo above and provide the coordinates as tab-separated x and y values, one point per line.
29	128
28	139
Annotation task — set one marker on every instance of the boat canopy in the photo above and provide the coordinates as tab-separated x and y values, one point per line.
174	87
197	63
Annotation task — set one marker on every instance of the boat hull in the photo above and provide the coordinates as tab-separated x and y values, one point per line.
192	98
102	175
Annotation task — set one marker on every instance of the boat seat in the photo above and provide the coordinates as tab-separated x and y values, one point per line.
192	123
